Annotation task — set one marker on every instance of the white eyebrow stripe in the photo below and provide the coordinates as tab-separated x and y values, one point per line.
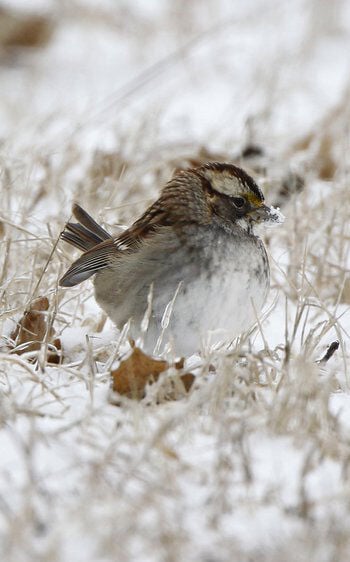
228	185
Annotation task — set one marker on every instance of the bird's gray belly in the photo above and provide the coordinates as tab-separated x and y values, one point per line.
216	293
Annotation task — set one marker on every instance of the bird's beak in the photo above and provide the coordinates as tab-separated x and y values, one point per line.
270	216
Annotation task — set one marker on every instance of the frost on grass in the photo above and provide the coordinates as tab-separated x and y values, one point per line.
253	462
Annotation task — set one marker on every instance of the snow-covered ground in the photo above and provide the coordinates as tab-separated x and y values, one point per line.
254	463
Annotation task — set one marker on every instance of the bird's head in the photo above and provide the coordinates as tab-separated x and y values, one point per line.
233	195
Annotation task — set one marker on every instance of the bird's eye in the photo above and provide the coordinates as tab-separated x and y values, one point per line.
238	202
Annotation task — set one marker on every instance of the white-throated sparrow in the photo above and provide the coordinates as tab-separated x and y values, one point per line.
197	243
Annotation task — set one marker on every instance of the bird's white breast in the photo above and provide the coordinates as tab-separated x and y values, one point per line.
218	307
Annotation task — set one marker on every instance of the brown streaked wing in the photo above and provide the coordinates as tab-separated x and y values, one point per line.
147	224
100	256
89	263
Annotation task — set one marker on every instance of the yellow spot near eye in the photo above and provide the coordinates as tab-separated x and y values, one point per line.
254	200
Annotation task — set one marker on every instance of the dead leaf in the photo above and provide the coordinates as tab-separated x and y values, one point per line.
135	372
55	355
32	330
168	452
22	30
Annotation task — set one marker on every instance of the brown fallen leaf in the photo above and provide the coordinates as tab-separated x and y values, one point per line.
22	30
135	372
32	330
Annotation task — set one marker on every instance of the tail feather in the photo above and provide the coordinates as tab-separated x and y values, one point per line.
86	235
78	236
89	223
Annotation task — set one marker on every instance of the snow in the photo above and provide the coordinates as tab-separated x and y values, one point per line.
253	464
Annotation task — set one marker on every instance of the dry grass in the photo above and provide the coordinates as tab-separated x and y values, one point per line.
254	462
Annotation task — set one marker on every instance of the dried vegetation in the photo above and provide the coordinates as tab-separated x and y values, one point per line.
251	461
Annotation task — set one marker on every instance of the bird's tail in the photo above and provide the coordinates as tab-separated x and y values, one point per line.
86	233
90	238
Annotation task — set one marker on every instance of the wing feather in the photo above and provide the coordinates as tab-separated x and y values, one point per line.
100	249
89	263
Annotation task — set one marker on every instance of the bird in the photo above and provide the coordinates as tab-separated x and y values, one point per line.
193	259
